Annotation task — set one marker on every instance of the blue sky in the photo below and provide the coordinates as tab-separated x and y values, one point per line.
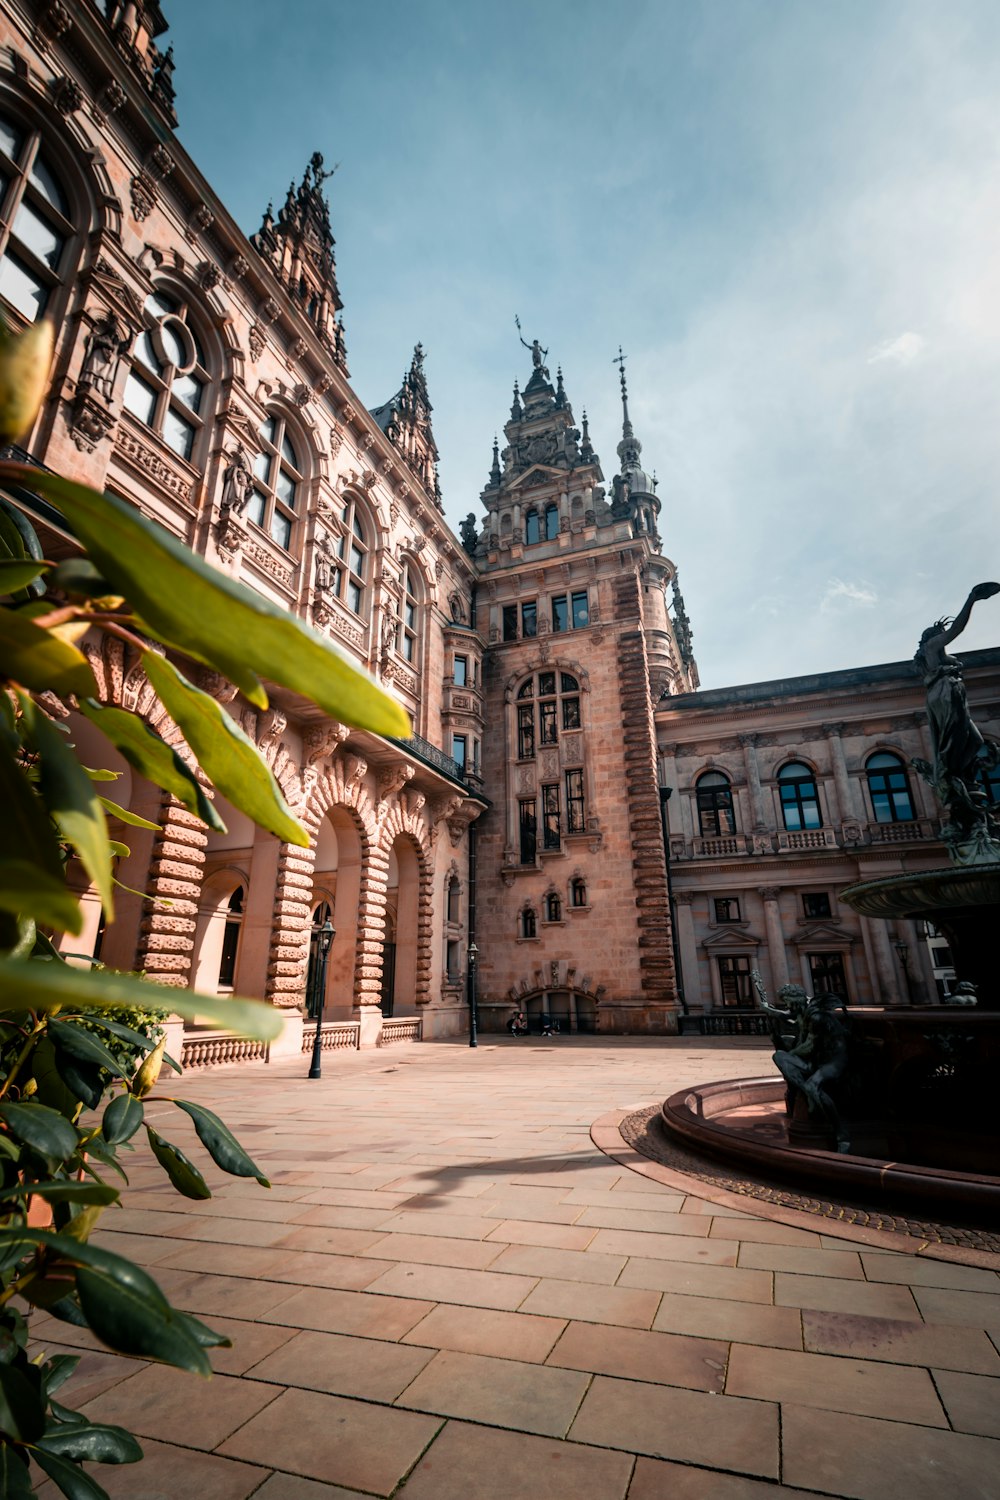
787	213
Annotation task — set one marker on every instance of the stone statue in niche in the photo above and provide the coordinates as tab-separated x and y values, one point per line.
961	754
107	341
237	481
325	560
457	608
469	532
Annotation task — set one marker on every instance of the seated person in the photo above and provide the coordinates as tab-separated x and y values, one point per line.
518	1025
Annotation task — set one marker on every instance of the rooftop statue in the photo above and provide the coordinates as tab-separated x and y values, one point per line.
961	754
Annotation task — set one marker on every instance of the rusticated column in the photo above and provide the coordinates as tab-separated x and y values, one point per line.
775	935
642	800
425	936
370	942
166	932
289	954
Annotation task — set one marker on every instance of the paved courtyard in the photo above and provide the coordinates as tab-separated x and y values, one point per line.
451	1294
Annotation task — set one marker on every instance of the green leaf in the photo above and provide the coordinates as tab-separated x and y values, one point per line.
45	1130
77	575
92	1442
229	759
69	1191
122	1119
57	1370
118	850
123	814
210	616
103	776
22	1410
70	797
31	870
204	1337
85	1080
220	1143
126	1033
25	935
120	1302
15	1478
183	1174
36	659
82	1044
75	1483
15	575
30	985
146	753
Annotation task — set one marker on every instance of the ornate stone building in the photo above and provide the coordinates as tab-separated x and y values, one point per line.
562	749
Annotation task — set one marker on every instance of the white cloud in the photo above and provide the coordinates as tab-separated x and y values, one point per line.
899	351
841	594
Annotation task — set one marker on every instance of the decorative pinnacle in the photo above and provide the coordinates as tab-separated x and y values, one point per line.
495	470
630	447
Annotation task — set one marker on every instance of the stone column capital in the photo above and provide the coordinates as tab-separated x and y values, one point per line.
832	731
770	892
748	739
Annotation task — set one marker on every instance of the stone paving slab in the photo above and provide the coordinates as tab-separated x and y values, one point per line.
453	1294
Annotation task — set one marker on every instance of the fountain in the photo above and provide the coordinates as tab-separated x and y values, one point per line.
889	1101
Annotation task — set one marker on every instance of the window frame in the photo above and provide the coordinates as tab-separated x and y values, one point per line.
883	798
793	799
727	918
460	678
817	898
274	508
407	636
734	971
33	149
824	959
351	583
714	796
162	384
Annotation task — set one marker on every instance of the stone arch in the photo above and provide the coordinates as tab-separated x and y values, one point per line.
409	893
214	913
539	664
554	989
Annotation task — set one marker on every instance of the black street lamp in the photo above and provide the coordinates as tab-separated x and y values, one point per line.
322	938
473	956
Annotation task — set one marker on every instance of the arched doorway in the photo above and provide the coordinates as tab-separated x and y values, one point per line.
337	882
568	1010
402	899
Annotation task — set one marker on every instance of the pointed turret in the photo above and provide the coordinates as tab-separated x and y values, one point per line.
299	246
406	421
634	489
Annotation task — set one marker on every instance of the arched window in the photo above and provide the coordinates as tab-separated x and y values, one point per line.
553	908
528	928
715	805
452	896
532	528
166	387
352	554
231	940
36	225
551	522
406	626
799	798
277	492
578	891
889	788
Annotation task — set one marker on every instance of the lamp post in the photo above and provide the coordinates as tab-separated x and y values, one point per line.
323	938
473	956
901	952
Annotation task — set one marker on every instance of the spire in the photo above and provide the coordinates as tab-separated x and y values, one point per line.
495	470
586	447
560	388
406	421
630	447
515	410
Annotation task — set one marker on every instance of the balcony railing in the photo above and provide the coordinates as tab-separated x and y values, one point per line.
423	750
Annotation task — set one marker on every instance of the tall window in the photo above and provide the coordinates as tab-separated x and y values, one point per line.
715	805
546	701
460	675
816	905
578	891
575	821
826	973
570	612
532	528
231	940
510	622
528	830
277	483
167	384
727	909
453	899
529	620
459	751
799	798
352	559
528	925
550	816
553	908
35	223
734	976
406	630
551	522
889	788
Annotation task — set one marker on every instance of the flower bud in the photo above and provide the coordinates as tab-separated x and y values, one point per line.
25	362
149	1072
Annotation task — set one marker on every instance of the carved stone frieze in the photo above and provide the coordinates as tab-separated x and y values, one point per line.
271	726
108	99
238	268
393	779
151	463
159	162
90	421
268	310
321	741
230	535
217	686
209	275
54	22
413	802
322	384
257	339
143	195
355	769
269	563
200	221
301	394
299	348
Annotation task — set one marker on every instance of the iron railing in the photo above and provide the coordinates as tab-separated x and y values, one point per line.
431	756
